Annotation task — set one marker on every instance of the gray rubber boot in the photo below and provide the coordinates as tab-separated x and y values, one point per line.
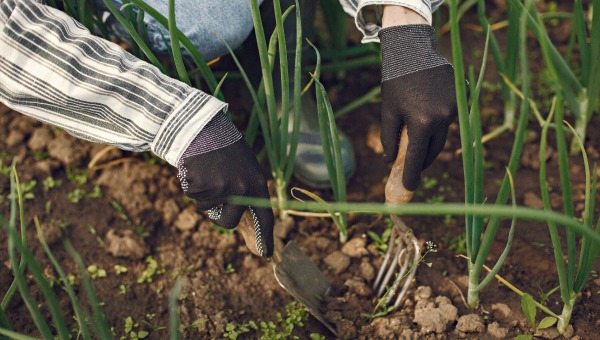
310	167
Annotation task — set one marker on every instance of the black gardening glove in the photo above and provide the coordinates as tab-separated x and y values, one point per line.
218	164
417	89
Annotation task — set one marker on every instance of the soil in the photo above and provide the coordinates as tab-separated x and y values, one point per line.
142	212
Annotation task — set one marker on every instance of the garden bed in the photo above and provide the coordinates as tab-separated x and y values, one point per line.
129	212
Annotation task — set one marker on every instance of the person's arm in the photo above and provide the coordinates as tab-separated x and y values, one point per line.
370	26
54	70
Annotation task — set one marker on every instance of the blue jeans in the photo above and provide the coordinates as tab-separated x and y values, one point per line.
202	21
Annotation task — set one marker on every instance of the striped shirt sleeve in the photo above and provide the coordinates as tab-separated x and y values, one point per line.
54	70
371	29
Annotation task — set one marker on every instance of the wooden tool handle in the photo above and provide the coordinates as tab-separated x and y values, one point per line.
246	228
395	192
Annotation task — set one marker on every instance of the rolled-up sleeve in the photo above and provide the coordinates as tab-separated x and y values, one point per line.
370	29
54	70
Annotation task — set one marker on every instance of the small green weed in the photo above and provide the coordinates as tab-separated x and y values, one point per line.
283	328
120	269
79	194
96	272
50	183
151	270
130	330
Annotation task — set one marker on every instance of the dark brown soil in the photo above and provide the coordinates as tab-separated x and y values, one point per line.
224	283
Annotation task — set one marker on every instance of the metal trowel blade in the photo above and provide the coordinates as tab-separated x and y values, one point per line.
300	277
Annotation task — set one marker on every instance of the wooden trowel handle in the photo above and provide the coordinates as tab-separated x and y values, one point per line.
246	228
395	192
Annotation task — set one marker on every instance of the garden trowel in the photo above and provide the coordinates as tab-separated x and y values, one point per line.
293	270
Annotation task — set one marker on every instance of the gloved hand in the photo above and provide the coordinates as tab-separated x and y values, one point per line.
218	164
417	89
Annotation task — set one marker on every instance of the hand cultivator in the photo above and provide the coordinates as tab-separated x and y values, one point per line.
403	248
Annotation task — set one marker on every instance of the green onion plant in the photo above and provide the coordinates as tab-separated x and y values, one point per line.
579	93
24	264
573	271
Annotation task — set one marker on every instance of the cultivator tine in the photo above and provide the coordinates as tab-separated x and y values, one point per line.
401	254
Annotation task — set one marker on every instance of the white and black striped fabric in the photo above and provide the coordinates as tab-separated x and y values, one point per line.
54	70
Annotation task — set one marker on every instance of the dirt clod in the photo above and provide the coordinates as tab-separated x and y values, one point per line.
40	138
435	317
568	334
68	150
124	243
423	293
532	200
495	330
358	287
367	272
356	247
168	209
549	333
15	137
51	231
283	228
501	311
187	219
470	323
337	261
385	328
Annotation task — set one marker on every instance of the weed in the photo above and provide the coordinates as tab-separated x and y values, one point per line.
96	272
120	269
295	315
50	183
229	269
123	290
429	182
151	270
139	229
457	243
76	176
130	330
79	194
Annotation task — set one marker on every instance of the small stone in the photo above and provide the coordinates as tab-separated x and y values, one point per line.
496	331
367	272
423	293
40	138
501	311
15	137
125	244
356	247
358	287
187	219
337	261
470	323
532	200
283	228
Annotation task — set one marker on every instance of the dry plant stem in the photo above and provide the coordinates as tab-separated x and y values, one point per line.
99	155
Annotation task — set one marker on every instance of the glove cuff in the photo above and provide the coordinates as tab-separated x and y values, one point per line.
408	48
218	133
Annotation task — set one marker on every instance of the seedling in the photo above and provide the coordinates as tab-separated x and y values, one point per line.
151	270
50	183
96	272
120	269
